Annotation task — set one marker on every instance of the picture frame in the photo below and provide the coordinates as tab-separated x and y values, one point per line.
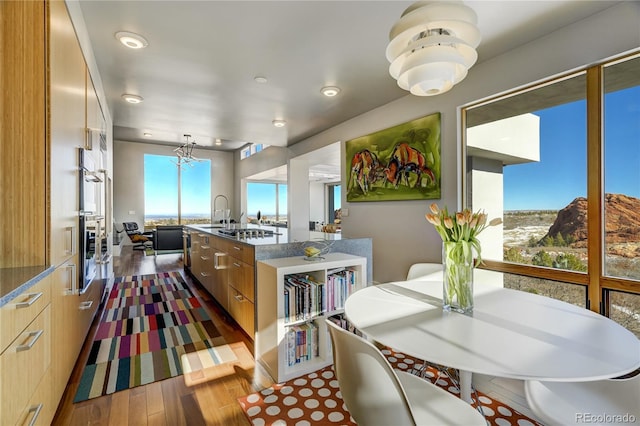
399	163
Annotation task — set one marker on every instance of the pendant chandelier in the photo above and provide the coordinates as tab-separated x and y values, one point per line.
185	152
432	46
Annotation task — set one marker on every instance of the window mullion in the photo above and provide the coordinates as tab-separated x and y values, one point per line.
595	195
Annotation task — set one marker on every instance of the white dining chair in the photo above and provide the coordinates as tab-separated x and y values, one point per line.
423	270
376	394
613	401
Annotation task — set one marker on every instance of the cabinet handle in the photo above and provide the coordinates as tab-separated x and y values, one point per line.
216	262
237	248
236	264
239	298
72	290
36	412
205	247
204	257
32	298
86	305
72	234
34	335
205	274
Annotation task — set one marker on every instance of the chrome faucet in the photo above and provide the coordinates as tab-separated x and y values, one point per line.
226	213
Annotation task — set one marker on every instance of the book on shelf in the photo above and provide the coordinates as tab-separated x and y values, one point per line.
302	343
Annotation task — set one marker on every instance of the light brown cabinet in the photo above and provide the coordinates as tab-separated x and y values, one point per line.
201	259
44	115
241	283
226	269
66	126
25	361
64	302
23	236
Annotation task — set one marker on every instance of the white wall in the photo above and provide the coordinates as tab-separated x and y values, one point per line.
128	178
317	200
401	235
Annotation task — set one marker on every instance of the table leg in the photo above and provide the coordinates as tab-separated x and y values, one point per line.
465	385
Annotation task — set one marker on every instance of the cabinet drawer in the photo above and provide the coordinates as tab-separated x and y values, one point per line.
43	405
23	365
15	315
88	303
242	310
204	266
243	252
241	277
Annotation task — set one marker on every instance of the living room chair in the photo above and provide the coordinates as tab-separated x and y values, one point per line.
167	237
140	240
375	394
569	403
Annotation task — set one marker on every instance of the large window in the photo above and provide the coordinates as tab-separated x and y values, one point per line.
270	199
176	195
560	163
334	204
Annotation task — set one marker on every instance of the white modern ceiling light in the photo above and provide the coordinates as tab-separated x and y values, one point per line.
132	40
147	134
218	141
259	79
330	91
279	123
432	46
132	99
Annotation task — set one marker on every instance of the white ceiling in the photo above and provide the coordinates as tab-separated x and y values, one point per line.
197	74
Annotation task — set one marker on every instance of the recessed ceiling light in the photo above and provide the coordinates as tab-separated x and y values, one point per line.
279	123
132	99
260	79
330	91
147	134
132	40
218	141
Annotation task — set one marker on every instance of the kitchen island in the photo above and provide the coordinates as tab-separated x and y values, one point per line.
224	260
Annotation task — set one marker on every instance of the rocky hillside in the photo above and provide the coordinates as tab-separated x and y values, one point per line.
622	224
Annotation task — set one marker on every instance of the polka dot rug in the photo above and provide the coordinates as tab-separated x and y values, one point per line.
314	399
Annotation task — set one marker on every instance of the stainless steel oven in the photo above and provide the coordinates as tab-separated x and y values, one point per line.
92	244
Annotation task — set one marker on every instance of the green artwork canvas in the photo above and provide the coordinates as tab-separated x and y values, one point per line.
398	163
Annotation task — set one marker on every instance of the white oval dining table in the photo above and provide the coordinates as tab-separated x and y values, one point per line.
510	333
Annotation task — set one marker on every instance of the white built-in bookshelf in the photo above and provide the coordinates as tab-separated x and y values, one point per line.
295	296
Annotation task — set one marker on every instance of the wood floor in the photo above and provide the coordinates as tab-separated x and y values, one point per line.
168	402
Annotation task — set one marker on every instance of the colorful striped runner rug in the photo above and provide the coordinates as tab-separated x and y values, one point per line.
315	399
151	328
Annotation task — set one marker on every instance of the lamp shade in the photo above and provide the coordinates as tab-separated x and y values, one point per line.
432	46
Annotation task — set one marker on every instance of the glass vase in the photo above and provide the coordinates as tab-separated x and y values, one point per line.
457	263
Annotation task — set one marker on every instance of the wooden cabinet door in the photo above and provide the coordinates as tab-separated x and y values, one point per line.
23	207
67	106
242	310
219	278
65	330
241	277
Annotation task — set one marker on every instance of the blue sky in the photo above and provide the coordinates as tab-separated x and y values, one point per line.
161	186
560	176
262	196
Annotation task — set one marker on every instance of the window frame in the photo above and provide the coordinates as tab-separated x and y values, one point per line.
594	279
